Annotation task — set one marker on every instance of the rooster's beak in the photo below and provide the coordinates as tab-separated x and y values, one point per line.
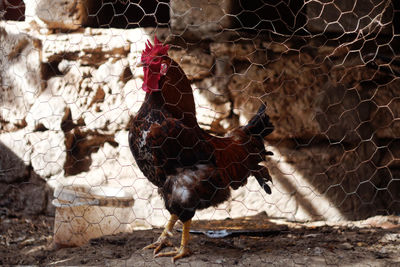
139	64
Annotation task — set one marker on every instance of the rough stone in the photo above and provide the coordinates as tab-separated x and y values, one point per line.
67	15
215	88
353	114
80	143
200	19
255	51
385	117
348	16
290	96
17	143
133	95
93	46
48	154
306	99
12	167
29	196
195	63
212	115
106	109
291	107
21	75
93	96
339	114
35	196
48	111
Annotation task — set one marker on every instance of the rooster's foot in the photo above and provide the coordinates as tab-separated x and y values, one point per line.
161	243
176	254
184	249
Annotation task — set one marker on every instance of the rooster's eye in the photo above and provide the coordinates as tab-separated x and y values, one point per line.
163	69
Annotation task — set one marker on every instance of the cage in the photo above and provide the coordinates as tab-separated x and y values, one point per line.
328	72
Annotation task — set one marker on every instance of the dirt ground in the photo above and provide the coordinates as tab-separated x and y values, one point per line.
254	241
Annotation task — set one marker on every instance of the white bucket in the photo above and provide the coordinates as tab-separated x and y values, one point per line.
83	213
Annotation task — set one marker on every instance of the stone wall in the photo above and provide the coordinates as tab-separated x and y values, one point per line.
68	92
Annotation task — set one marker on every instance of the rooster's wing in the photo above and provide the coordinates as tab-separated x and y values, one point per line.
174	145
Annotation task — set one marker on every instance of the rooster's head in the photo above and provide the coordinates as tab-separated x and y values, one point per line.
154	61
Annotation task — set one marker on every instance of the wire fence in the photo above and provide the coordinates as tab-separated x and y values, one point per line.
328	71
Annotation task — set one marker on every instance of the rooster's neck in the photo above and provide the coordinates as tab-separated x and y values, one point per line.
176	95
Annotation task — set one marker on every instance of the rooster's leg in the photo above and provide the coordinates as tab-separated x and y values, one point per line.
163	241
184	249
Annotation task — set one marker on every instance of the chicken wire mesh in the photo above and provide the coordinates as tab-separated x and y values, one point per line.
328	71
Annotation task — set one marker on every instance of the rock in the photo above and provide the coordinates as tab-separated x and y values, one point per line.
115	162
80	143
254	51
22	189
340	115
21	77
94	47
344	105
12	167
35	197
390	237
200	20
385	117
91	86
133	95
48	111
346	246
195	63
258	77
106	109
215	88
347	16
291	107
48	152
384	222
349	113
66	15
18	144
29	197
93	96
210	115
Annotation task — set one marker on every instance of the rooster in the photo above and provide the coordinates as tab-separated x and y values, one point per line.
192	169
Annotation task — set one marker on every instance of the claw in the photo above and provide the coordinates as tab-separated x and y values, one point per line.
183	251
166	243
176	254
163	241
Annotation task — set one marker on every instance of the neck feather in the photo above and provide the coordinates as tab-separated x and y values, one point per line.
176	95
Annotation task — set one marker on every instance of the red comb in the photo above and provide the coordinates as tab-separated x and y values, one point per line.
158	49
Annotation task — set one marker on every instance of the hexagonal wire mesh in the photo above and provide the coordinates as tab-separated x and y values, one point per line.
71	86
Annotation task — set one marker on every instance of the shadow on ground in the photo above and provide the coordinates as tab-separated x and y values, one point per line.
281	243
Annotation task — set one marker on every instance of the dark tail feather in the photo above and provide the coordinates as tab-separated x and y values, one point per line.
260	124
262	176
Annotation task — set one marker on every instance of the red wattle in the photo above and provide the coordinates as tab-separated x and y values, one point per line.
150	80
